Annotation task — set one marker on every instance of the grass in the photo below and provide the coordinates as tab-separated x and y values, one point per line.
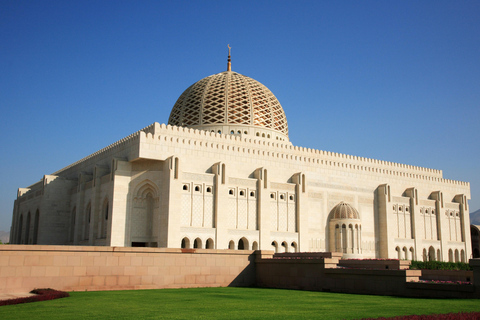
229	303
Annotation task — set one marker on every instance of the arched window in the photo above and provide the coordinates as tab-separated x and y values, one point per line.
20	227
431	254
338	239
86	231
104	215
462	256
275	246
231	245
185	243
450	255
344	238
241	245
197	243
254	245
439	256
209	244
425	257
72	224
457	256
35	226
27	229
293	247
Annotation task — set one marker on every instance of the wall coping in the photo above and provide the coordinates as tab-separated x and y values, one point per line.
53	248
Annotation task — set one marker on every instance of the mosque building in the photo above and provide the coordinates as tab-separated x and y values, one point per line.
223	175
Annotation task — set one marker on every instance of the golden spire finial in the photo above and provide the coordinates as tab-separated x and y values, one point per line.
229	64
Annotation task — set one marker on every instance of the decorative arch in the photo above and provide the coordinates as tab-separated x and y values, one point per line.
405	253
144	205
450	255
145	187
185	243
399	253
284	246
231	245
431	253
275	246
197	243
209	244
462	256
293	246
255	245
457	256
243	244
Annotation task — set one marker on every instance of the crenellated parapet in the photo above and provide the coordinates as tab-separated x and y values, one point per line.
286	152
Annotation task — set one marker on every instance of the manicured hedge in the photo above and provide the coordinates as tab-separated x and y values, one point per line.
439	265
448	316
41	295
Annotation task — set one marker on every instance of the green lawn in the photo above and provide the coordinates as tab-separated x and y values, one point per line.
229	303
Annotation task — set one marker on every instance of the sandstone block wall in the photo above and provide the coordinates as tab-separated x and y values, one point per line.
76	268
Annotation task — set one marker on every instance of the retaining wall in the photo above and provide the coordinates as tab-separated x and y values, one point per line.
447	275
322	274
77	268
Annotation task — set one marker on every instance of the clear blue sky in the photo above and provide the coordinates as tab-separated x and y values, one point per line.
390	80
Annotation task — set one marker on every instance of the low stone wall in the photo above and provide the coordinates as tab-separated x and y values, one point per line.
447	275
76	268
308	255
380	264
322	275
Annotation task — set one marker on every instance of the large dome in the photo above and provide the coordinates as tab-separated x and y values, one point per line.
231	103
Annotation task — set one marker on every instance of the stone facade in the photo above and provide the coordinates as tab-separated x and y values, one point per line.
235	184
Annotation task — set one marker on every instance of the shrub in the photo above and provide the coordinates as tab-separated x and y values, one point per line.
41	295
439	265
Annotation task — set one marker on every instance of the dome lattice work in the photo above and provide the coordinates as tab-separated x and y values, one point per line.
344	211
229	98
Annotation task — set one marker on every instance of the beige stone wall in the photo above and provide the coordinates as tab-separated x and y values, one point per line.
77	268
